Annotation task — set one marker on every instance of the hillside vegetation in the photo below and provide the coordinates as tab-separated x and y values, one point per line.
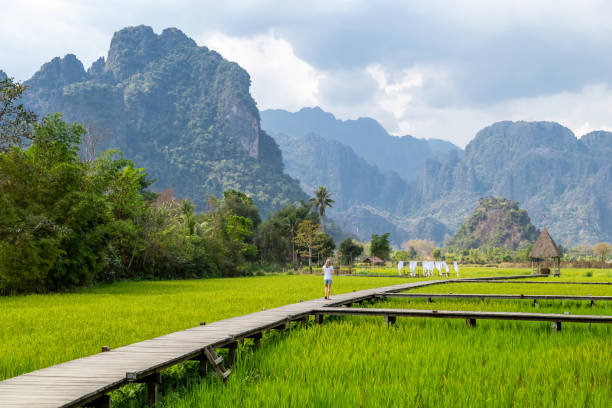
495	223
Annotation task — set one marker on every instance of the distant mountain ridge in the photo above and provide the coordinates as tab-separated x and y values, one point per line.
404	155
177	109
541	165
368	200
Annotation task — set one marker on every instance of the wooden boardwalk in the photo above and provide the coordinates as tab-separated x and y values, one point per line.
482	296
87	381
470	316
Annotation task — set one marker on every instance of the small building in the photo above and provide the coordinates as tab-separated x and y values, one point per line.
545	255
374	260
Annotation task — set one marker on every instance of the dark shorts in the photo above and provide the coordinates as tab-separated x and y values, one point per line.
328	281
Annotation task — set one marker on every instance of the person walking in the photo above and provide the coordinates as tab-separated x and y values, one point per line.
327	277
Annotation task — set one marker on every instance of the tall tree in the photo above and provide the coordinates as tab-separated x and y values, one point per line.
322	200
602	249
15	120
349	251
307	239
379	246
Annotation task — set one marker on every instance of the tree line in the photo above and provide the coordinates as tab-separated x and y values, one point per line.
70	219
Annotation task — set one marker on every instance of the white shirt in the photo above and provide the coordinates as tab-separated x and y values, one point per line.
327	272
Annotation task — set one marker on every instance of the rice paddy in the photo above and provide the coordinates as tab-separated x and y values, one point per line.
356	361
348	361
37	331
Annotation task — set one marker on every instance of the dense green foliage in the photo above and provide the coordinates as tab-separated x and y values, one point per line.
60	215
67	222
349	251
179	110
379	246
495	223
278	241
15	120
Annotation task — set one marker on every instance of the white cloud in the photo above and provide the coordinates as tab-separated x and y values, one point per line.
279	78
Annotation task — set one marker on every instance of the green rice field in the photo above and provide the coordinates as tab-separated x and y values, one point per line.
345	362
359	361
355	361
37	331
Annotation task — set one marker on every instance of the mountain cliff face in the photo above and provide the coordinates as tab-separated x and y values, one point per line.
368	200
496	222
177	109
541	165
404	155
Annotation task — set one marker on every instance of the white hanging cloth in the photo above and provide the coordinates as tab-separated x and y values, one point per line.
439	267
445	265
400	265
456	266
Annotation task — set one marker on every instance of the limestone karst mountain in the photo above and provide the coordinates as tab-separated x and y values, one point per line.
541	165
179	110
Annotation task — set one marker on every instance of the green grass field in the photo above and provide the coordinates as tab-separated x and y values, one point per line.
359	361
351	361
37	331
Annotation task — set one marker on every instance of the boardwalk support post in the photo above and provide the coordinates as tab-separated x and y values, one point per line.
556	326
319	318
256	339
152	382
592	303
389	320
470	322
103	401
203	369
231	355
535	302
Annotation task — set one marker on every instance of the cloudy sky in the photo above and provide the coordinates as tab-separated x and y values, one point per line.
431	68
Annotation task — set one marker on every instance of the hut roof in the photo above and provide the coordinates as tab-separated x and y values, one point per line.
545	247
374	260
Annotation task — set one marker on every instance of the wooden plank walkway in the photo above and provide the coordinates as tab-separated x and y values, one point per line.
463	314
489	280
85	381
535	298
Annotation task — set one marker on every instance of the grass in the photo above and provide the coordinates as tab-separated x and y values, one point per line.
351	361
41	330
357	361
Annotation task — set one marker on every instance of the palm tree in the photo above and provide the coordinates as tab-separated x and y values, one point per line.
322	200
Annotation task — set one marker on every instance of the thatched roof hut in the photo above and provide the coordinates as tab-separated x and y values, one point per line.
545	250
374	260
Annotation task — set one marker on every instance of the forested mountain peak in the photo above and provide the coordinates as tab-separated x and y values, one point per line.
178	109
133	48
495	222
59	71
